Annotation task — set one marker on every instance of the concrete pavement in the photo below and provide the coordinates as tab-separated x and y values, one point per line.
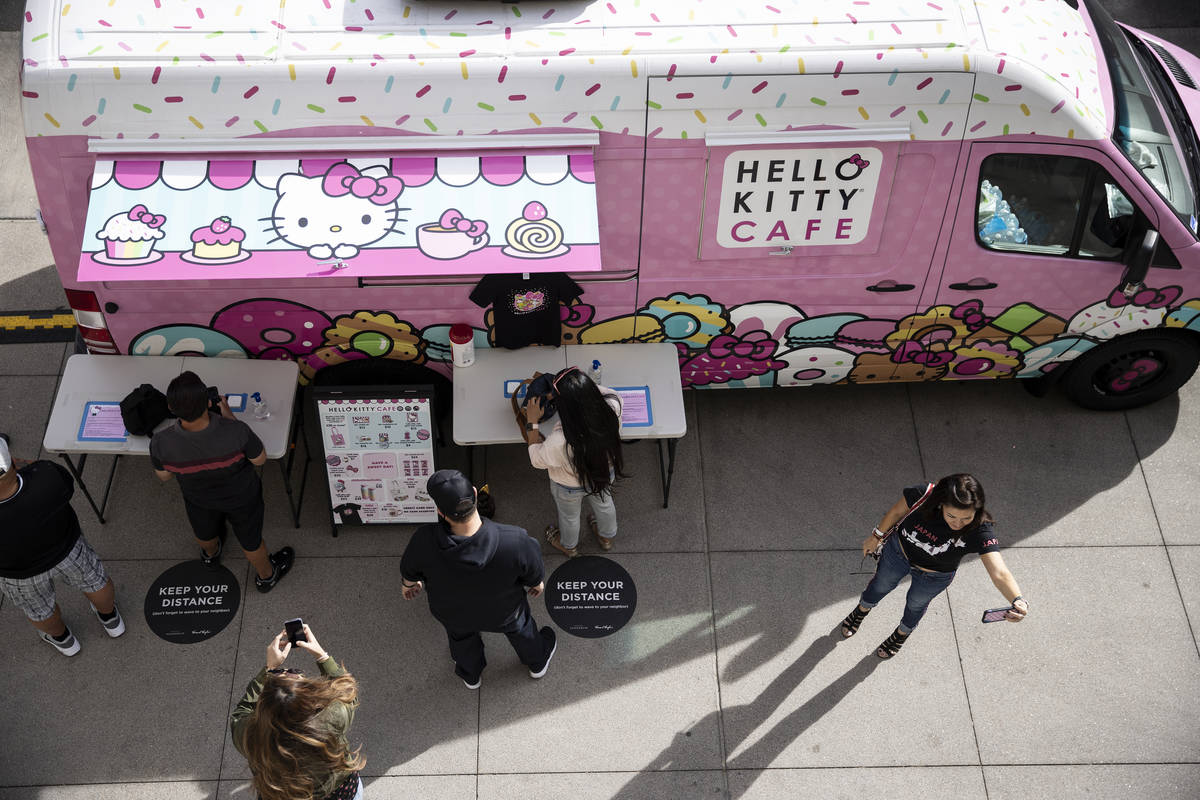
731	680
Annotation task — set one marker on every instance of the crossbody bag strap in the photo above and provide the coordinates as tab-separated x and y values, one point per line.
909	513
916	505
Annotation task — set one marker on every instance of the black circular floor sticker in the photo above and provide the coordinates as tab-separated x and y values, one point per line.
192	601
590	596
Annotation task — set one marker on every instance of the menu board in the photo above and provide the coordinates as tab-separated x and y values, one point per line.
378	447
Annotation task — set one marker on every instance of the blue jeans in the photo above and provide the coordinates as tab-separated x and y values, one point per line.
893	566
569	502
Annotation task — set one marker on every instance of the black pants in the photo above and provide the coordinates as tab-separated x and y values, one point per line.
466	647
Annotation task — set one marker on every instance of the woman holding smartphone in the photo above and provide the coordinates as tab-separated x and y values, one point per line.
292	728
582	455
936	525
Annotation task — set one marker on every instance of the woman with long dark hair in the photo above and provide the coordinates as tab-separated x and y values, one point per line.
582	456
292	729
936	525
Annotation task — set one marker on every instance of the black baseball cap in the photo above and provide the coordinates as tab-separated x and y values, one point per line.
452	493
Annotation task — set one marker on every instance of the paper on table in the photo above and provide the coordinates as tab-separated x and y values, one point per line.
102	423
635	406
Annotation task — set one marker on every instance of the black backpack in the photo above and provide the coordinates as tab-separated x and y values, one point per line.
143	409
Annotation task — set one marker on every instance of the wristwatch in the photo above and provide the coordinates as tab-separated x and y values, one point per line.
531	426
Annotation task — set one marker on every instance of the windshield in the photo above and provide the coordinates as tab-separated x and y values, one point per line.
1162	150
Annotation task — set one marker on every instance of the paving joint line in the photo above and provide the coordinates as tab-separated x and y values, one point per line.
688	552
1158	524
722	742
967	696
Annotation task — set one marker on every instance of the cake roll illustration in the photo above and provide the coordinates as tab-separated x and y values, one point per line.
534	235
129	237
219	242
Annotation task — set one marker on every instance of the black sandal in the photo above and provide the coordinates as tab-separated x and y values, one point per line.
892	644
853	620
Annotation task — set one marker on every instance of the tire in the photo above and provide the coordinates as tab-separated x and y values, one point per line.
1131	371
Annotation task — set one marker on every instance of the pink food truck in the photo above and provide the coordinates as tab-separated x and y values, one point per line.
790	192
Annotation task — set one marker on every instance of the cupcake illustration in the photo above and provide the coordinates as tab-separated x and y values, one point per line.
219	242
129	237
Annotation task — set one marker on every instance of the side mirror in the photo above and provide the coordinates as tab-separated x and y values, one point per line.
1137	264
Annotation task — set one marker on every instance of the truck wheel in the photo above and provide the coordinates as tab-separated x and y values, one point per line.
1131	371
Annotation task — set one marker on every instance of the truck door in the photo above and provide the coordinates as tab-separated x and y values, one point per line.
1037	246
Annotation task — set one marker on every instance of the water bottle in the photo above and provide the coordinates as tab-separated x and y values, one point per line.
594	372
260	407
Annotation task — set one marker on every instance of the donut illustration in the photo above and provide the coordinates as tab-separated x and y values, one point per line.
422	434
272	328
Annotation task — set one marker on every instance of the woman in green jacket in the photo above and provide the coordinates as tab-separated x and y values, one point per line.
292	729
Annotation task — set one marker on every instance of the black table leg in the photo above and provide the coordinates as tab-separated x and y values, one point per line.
666	471
285	466
77	473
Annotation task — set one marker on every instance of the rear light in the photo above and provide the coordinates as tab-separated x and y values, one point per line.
89	319
98	340
82	301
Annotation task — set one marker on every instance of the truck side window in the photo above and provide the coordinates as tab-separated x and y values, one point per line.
1051	205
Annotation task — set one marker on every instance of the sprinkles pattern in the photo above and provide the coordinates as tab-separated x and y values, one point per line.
982	68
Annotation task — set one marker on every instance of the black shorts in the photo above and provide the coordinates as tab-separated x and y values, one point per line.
247	522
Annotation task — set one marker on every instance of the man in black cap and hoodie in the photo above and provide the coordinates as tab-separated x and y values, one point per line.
477	574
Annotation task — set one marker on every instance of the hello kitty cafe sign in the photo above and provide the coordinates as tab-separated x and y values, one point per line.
797	197
360	217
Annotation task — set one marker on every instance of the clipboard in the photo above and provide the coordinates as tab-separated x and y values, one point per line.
98	423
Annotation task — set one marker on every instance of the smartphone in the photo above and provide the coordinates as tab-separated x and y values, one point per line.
295	630
996	614
214	398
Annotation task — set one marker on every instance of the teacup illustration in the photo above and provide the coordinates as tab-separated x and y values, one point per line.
452	236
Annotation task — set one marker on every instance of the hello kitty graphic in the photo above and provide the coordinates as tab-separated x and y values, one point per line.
523	303
338	213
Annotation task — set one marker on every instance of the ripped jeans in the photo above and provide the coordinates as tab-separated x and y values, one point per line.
569	502
893	566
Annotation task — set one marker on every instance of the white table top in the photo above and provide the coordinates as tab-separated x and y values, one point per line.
635	364
483	415
109	378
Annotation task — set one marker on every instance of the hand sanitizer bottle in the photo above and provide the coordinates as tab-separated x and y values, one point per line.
260	407
594	372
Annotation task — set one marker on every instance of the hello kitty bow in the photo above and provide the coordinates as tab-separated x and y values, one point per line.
452	219
342	179
140	213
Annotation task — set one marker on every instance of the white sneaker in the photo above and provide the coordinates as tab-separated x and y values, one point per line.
113	627
68	648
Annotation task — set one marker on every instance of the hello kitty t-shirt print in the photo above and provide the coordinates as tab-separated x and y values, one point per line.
524	311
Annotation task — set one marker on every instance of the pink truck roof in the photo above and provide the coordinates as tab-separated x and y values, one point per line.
943	70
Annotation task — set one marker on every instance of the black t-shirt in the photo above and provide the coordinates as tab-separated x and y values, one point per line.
932	544
526	311
213	465
474	583
38	527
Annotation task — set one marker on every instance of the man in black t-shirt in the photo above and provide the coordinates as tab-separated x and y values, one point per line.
477	575
40	541
214	456
525	310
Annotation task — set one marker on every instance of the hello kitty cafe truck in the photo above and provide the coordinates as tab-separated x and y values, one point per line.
791	192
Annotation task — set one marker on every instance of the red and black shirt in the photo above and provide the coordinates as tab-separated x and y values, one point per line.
213	465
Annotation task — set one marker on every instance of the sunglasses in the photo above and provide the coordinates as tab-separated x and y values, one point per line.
282	671
558	377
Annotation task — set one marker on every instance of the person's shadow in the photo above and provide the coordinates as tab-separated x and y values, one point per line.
647	783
